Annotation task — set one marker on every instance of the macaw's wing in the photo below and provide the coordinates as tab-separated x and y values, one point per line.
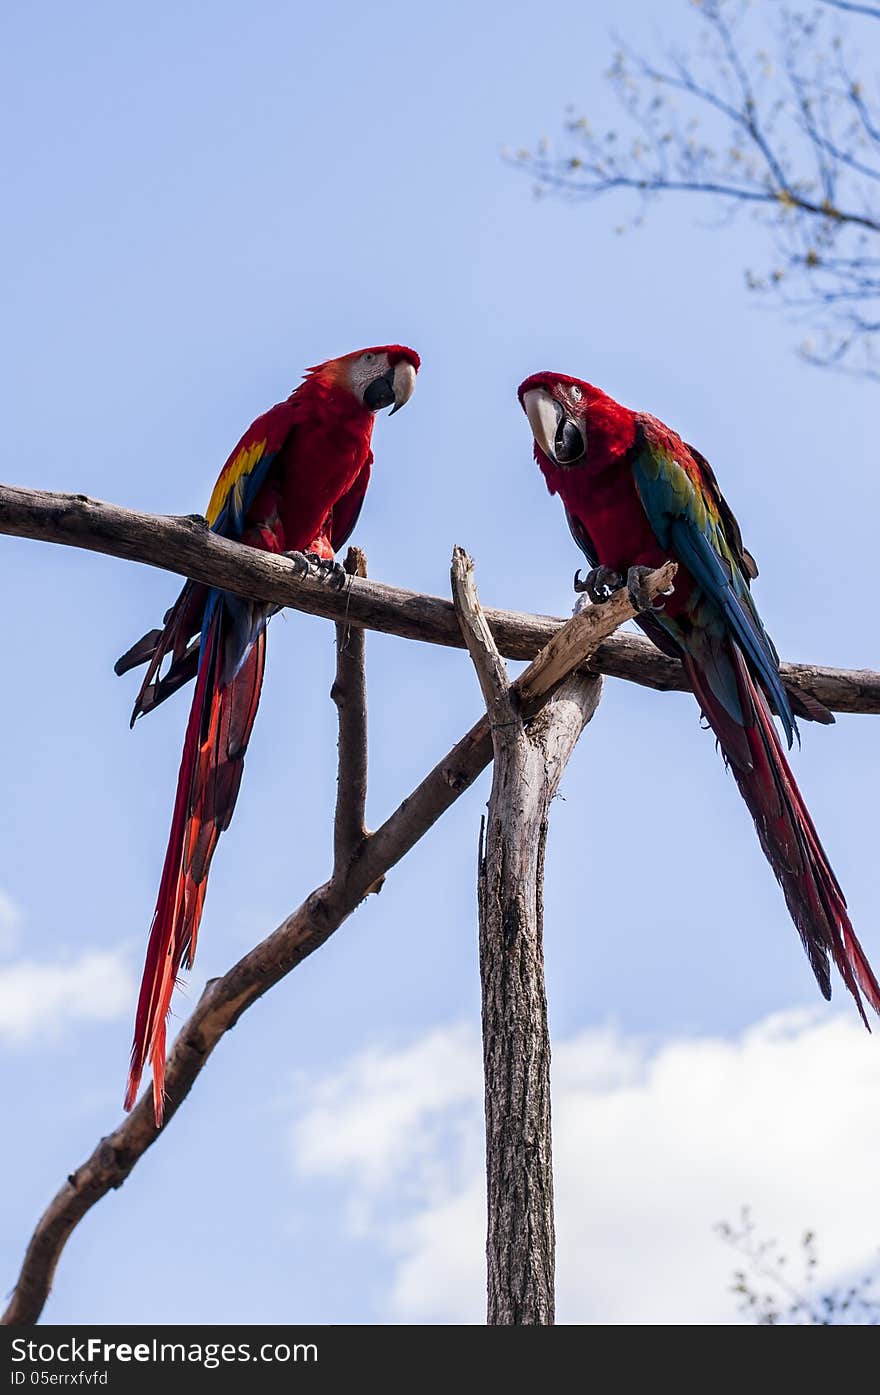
234	493
346	511
693	521
802	704
247	467
747	564
582	538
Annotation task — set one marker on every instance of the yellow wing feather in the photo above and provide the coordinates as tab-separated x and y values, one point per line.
232	480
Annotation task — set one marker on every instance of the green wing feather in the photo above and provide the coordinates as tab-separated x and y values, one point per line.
693	521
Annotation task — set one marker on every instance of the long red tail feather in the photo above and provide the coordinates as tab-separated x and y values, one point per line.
220	723
788	836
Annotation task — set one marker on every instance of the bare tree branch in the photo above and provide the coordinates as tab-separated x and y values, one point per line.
768	112
187	547
349	692
489	665
769	1295
872	10
305	930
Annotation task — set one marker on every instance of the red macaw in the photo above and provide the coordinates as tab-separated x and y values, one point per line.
636	495
295	484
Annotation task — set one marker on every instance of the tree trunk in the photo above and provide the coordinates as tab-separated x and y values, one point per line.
520	1246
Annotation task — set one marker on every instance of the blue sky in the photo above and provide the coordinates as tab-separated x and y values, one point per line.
200	202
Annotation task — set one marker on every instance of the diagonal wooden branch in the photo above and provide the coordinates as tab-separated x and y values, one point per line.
185	546
490	667
529	759
304	931
349	692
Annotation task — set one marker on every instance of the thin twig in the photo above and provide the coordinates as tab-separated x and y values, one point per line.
790	133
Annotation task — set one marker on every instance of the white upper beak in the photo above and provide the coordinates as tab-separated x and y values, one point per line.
404	382
543	418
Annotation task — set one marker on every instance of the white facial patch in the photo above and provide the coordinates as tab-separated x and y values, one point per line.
364	369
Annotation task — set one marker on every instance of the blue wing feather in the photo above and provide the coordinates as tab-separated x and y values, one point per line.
691	530
230	521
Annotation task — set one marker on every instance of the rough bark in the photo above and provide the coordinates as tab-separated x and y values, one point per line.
529	758
520	1243
349	692
185	546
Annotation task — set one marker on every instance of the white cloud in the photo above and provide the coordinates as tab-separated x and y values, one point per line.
10	919
39	1001
653	1147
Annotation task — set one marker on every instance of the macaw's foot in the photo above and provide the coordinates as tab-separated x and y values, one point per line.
322	568
600	584
327	570
635	586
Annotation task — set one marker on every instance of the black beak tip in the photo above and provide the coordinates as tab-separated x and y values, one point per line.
379	393
570	444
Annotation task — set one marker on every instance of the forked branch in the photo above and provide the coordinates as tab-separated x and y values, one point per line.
529	758
304	931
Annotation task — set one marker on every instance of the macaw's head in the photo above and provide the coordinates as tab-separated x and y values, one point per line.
574	423
384	376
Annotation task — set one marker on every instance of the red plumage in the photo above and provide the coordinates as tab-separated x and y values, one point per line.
789	839
294	483
637	495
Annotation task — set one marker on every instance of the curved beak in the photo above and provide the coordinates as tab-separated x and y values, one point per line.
394	386
562	439
403	383
543	412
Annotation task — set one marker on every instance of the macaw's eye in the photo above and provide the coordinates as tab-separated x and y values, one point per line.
368	358
576	394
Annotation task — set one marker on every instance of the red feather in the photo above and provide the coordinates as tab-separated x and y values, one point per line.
614	526
295	481
788	836
220	723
